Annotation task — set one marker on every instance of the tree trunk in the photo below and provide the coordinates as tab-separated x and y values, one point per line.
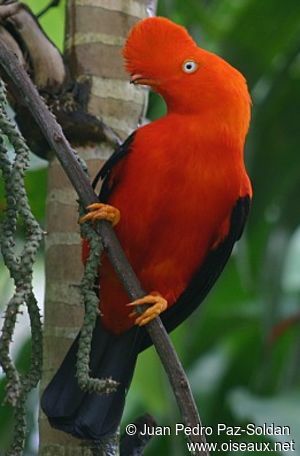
95	34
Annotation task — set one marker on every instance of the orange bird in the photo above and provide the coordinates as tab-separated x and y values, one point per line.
178	194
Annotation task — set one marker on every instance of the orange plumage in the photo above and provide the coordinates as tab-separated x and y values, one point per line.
177	186
183	192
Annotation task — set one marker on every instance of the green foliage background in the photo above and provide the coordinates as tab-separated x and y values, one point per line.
239	374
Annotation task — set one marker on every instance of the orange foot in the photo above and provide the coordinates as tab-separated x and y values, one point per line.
100	211
157	305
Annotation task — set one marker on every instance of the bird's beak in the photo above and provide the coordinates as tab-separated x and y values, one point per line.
138	79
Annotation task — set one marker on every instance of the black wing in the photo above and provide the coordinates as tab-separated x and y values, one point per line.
105	171
207	274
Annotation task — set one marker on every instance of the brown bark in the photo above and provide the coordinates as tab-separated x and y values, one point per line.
95	32
67	157
80	118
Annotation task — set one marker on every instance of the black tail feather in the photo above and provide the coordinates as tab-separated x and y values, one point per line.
85	415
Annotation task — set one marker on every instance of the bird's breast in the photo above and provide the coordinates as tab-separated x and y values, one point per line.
175	198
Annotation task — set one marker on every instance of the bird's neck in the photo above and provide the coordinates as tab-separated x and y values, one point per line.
227	116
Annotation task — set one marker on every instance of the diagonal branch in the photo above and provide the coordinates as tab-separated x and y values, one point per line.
52	4
71	165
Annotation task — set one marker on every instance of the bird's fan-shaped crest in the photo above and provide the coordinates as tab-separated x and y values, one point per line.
151	40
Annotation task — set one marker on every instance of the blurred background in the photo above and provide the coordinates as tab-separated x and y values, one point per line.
241	349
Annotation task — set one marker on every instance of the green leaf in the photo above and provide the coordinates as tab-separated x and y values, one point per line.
281	410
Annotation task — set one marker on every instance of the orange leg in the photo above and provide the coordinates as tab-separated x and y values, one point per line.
100	211
157	305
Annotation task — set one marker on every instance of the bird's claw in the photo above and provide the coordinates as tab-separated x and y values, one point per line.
157	305
100	211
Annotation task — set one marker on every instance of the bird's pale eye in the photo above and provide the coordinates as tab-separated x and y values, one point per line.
189	66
